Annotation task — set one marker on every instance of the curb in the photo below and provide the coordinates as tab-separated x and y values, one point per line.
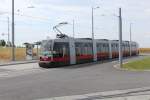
17	63
130	70
103	95
116	66
122	69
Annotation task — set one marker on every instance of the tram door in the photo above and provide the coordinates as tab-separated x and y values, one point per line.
61	53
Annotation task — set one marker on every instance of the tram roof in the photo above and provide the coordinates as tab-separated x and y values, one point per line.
87	40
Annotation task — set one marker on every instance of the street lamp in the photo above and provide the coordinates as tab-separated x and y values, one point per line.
13	33
93	21
120	38
131	39
13	30
94	43
8	30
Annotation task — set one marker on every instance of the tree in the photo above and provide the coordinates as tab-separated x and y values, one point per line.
2	43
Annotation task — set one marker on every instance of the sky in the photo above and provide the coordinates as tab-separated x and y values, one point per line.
35	24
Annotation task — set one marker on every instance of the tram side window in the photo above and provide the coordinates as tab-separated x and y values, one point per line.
127	47
132	46
98	47
90	49
87	49
83	49
78	49
123	46
61	50
117	47
103	47
106	47
114	48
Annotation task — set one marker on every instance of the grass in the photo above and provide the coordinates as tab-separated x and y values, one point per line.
5	54
144	50
138	65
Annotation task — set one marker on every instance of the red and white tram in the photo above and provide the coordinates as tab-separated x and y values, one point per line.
68	51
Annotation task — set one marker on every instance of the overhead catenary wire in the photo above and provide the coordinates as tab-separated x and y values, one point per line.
39	20
29	16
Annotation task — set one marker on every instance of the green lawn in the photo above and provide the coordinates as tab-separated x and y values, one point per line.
139	65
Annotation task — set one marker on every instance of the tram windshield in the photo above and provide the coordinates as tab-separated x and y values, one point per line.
46	48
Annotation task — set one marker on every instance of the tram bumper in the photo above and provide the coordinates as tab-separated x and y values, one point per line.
46	64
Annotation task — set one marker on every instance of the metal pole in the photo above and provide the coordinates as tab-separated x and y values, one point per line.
8	31
92	25
73	30
94	42
37	51
13	31
130	39
120	38
93	33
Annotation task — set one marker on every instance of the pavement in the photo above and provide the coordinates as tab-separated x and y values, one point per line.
17	62
129	94
30	82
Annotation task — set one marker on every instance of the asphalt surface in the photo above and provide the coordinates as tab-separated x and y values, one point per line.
29	82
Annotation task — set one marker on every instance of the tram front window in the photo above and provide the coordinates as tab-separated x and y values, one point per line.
46	48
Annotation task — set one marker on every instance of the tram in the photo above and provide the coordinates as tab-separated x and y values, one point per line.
70	51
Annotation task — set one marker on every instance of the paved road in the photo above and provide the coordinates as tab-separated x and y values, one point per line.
29	82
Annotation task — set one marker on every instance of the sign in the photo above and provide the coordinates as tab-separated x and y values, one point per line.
29	51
